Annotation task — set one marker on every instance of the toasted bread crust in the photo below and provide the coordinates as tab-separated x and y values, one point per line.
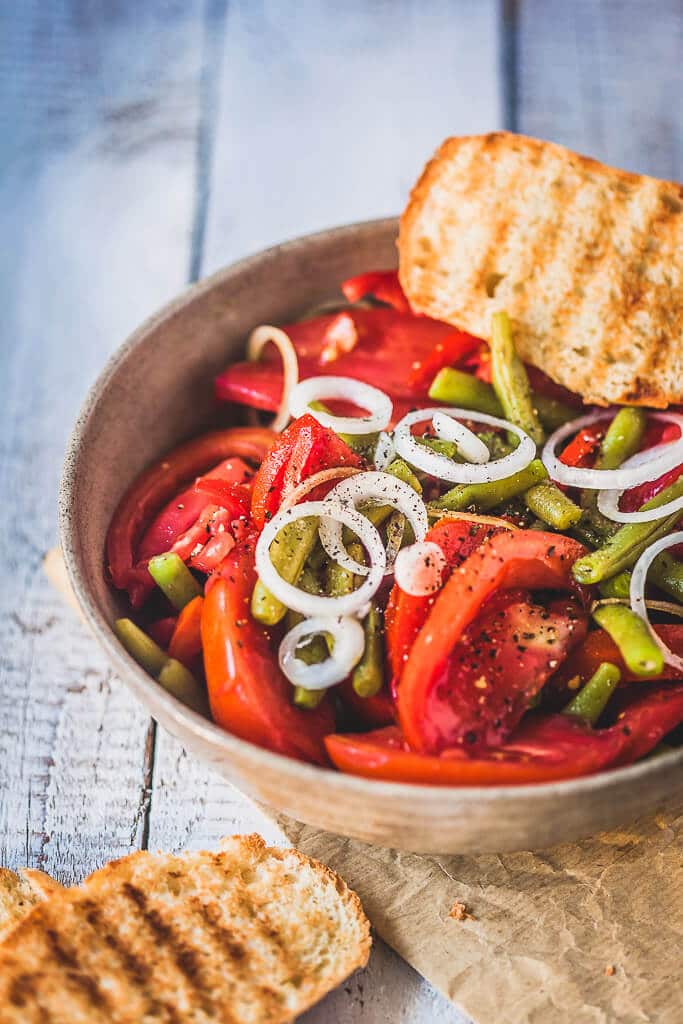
19	892
249	934
586	259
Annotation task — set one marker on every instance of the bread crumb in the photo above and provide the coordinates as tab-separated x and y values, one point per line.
459	912
610	970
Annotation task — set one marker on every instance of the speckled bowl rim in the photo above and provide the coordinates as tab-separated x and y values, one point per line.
184	720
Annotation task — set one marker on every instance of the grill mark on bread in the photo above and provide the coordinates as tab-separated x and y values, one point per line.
76	973
137	971
185	958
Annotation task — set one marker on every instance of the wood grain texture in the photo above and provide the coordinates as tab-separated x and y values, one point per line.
97	203
603	77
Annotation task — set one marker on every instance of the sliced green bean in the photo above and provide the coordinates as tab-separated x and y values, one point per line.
453	387
665	572
510	381
625	546
616	586
179	681
174	579
622	439
288	553
316	650
368	675
146	652
486	496
308	699
552	506
435	444
402	471
172	675
633	638
591	700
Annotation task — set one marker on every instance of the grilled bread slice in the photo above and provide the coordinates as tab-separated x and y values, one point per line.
586	259
249	934
19	892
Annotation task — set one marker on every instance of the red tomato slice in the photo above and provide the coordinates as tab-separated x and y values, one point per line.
303	449
161	631
389	345
383	285
520	559
405	615
157	485
248	693
370	711
186	641
544	748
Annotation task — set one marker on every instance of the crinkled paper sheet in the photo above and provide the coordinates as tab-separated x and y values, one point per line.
548	927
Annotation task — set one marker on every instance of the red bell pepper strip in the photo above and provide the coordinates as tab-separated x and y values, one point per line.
248	693
583	448
303	449
599	646
405	614
161	631
157	485
389	344
545	748
525	559
383	285
186	641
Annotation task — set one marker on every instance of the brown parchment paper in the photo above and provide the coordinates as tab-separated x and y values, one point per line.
587	933
548	927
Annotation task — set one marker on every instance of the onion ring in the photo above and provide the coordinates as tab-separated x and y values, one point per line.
313	604
349	644
363	395
258	339
443	468
608	501
468	444
637	592
419	568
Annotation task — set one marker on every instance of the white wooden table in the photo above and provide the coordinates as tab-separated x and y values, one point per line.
143	145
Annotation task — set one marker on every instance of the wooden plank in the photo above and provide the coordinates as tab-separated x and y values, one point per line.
324	113
98	184
604	78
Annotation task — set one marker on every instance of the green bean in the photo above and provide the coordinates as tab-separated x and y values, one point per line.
402	471
585	532
622	439
316	650
140	646
453	387
487	495
552	506
174	579
665	572
435	444
616	586
591	700
625	546
510	381
497	445
172	675
179	681
363	444
368	675
633	638
308	700
288	553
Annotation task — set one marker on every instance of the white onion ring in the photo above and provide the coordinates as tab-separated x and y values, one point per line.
455	472
313	604
365	396
611	479
637	592
349	644
383	489
468	444
419	568
608	501
258	339
304	488
384	452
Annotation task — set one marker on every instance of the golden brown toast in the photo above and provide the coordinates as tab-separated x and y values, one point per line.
587	260
250	934
19	892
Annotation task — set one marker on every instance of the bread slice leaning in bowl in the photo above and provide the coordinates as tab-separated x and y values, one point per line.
586	259
249	934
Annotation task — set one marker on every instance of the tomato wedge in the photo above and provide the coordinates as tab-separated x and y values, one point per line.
524	559
545	748
158	485
405	614
186	641
248	693
303	449
370	711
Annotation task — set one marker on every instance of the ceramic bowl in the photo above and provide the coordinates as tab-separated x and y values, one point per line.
157	391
